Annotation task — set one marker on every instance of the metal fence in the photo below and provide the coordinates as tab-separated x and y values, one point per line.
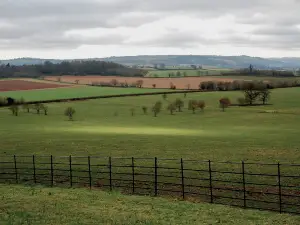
265	186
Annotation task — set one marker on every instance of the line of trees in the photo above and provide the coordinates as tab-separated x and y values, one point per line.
69	68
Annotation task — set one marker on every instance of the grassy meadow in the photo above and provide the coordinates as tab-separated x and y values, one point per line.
73	92
36	205
106	127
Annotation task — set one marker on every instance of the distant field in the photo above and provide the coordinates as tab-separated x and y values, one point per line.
27	84
180	83
73	92
186	72
45	206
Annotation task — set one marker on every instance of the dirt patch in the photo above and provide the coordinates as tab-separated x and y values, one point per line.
18	85
180	83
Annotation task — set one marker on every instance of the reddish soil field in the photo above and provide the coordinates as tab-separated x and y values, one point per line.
18	85
180	83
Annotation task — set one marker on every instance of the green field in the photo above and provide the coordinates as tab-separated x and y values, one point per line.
74	92
241	133
36	205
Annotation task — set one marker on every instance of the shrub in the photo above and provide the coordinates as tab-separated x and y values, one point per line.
69	112
76	81
224	103
154	85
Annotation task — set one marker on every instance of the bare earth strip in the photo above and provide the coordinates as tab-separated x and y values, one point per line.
17	85
180	83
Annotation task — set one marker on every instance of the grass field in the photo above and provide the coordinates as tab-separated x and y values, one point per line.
73	92
238	134
36	205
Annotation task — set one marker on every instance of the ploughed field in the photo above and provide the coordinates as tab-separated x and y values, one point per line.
17	85
180	83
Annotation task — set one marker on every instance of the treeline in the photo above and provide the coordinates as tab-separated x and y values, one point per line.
240	85
70	68
262	73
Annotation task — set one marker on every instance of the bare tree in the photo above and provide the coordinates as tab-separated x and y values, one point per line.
171	108
193	105
179	104
114	82
139	83
201	105
264	95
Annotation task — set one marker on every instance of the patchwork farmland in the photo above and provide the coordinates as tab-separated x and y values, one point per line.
121	128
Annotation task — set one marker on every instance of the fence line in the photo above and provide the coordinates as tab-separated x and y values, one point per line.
269	186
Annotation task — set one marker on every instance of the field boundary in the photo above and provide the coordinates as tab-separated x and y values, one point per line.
109	96
273	187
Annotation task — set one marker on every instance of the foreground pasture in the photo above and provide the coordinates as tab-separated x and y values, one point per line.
106	127
36	206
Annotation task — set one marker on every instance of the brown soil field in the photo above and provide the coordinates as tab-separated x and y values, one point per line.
180	83
18	85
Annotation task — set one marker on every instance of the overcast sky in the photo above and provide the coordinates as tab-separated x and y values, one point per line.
100	28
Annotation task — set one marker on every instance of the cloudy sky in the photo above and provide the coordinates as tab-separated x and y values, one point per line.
100	28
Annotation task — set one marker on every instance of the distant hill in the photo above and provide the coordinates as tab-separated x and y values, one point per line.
171	60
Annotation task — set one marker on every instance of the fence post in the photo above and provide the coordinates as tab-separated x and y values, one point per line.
33	166
16	170
210	182
70	167
90	174
52	175
155	176
279	188
182	179
132	166
110	173
244	183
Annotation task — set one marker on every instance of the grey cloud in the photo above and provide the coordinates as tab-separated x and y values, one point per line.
44	23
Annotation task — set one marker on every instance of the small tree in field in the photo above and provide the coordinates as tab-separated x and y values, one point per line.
114	82
139	83
69	112
154	85
156	108
132	111
193	105
76	81
179	104
165	96
58	79
201	105
224	103
171	108
45	109
14	109
26	108
264	95
38	107
145	109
